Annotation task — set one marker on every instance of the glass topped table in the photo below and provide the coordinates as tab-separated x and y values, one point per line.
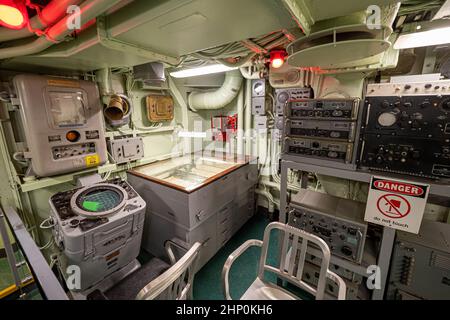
190	172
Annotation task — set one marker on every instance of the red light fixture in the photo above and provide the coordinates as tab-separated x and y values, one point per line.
277	58
13	14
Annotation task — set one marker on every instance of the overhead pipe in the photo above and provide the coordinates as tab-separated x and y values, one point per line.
89	10
103	77
248	117
249	73
240	119
213	100
243	61
54	11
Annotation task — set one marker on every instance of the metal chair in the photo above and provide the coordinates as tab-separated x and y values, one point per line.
178	281
158	280
292	260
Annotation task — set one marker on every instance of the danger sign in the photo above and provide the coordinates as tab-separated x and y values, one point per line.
397	204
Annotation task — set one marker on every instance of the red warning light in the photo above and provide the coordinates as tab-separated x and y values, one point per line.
277	58
13	14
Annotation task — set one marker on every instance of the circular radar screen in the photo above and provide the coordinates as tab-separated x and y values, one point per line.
99	200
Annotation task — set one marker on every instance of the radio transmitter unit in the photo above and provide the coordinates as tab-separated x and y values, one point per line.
407	129
322	131
282	96
323	109
338	130
336	151
339	222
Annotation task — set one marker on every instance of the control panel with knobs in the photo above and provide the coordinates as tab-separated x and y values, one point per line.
418	157
407	129
344	232
440	87
421	116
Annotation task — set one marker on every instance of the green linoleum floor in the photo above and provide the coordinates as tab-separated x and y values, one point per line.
208	281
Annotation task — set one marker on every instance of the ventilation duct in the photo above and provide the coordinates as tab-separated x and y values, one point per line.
219	98
345	42
334	47
150	74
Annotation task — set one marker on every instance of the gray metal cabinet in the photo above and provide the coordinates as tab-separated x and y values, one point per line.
211	214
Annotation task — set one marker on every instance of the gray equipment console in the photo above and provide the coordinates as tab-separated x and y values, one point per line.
339	222
63	124
322	131
420	267
98	228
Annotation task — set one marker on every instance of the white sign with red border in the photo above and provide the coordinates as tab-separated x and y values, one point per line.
398	204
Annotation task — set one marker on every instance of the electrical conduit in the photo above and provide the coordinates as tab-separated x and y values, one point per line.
53	12
89	10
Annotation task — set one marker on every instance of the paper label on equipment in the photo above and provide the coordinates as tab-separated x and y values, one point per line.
63	83
398	204
92	160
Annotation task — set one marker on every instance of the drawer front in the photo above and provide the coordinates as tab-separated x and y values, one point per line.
224	218
224	235
248	177
162	200
206	234
204	202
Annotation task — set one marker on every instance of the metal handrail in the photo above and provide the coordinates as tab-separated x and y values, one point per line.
46	279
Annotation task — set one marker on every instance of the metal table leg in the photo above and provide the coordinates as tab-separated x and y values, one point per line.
384	260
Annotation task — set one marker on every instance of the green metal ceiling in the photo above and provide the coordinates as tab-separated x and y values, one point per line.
178	27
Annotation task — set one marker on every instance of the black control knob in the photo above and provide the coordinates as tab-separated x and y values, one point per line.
416	124
407	104
428	86
407	86
425	104
397	103
416	154
446	105
385	104
346	250
74	223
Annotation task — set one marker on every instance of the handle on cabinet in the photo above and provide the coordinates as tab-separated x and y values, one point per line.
206	241
200	215
223	209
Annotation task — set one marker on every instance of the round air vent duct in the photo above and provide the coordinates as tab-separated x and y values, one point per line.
335	47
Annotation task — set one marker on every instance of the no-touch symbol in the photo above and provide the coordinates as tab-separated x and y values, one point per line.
393	206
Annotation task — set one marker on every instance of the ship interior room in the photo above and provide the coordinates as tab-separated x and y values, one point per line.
224	149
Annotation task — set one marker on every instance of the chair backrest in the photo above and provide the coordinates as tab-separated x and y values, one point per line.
176	282
293	249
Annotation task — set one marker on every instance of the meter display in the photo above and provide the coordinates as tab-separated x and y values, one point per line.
67	109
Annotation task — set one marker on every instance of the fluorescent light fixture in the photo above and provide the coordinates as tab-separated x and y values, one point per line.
213	68
423	39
